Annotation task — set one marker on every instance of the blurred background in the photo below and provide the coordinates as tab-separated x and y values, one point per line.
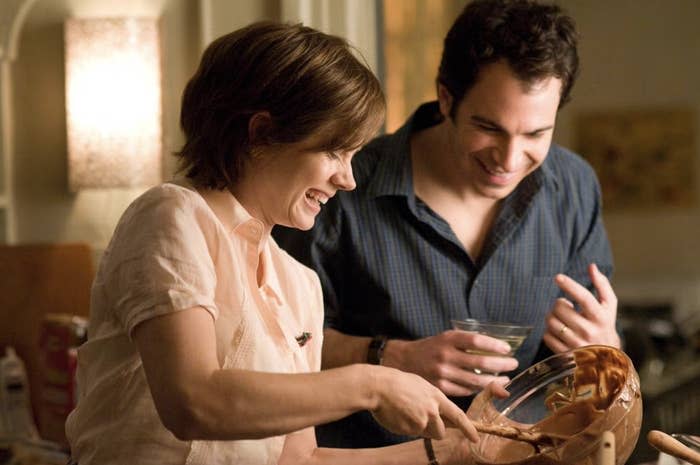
634	116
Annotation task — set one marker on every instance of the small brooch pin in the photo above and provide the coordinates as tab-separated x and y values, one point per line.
303	338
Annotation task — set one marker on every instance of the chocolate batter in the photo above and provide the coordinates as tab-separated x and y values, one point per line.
602	394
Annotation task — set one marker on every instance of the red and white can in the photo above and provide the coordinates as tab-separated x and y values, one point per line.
61	335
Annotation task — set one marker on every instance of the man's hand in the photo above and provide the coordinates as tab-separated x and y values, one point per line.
595	324
443	360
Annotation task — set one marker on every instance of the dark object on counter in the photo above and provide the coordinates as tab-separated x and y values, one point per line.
651	336
669	372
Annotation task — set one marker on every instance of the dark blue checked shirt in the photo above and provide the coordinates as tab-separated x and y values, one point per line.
390	265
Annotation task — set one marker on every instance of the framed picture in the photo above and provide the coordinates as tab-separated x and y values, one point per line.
643	158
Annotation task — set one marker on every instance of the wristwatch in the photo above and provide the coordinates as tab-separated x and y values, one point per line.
375	351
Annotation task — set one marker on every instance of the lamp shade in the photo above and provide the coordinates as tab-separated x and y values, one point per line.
113	102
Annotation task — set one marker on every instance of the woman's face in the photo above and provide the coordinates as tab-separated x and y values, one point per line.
289	184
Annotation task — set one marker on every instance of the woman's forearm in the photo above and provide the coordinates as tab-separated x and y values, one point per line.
241	404
197	399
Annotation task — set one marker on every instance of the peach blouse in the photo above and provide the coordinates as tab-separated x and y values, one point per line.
175	248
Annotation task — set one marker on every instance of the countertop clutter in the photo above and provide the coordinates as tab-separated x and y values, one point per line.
678	447
20	440
31	452
45	294
664	346
20	443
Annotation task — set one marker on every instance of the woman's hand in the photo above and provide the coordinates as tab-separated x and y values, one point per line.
454	448
408	404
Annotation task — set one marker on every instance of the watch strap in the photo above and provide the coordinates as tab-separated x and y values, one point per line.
375	351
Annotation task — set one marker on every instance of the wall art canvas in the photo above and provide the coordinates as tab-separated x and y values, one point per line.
644	158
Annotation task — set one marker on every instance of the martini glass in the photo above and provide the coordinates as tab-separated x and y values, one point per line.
512	334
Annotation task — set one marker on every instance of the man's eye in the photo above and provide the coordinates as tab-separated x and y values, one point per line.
536	135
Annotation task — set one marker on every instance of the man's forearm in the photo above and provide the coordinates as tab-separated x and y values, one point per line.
341	349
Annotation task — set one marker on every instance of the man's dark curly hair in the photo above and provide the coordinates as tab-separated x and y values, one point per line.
536	40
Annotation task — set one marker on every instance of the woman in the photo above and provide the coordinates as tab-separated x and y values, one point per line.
205	337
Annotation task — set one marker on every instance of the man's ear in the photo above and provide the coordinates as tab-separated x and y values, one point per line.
445	100
259	127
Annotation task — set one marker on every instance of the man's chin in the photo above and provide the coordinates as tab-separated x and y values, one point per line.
497	192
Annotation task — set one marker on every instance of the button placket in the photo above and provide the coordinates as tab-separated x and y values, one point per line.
288	325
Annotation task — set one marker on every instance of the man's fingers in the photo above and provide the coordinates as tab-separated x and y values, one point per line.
464	364
465	340
554	343
498	390
605	291
576	291
587	302
566	303
450	388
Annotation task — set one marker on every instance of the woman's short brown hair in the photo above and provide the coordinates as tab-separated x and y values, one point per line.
309	82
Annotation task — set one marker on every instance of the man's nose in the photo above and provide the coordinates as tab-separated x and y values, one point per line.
510	155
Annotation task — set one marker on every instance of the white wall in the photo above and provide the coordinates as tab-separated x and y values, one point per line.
219	17
640	54
634	53
46	211
356	20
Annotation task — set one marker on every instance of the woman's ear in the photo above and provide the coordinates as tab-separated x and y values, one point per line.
259	127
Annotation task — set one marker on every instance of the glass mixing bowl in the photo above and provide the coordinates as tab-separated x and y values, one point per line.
579	394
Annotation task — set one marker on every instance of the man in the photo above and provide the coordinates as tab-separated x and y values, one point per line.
467	211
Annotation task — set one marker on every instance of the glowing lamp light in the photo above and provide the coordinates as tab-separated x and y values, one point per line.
113	102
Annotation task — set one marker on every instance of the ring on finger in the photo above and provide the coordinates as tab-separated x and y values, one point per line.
563	330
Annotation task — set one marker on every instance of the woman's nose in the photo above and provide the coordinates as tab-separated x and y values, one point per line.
343	179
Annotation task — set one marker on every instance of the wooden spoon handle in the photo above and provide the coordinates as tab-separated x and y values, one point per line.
511	432
606	449
672	446
497	430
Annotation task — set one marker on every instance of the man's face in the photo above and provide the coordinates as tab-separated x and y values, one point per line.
501	131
